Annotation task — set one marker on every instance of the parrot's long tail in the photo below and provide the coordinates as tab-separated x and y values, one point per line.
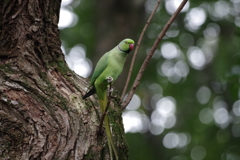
103	105
109	138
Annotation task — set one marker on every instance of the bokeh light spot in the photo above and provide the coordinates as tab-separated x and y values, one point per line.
134	103
66	2
195	18
212	31
132	121
206	115
170	140
167	68
196	57
236	108
221	117
169	50
76	60
198	153
203	94
181	68
219	7
67	18
155	129
184	139
172	5
163	115
166	105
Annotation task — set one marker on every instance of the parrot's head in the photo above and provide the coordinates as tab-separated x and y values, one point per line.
126	45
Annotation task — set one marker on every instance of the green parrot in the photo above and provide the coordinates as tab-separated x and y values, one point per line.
108	68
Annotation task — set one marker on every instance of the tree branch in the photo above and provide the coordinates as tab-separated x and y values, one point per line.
137	47
150	54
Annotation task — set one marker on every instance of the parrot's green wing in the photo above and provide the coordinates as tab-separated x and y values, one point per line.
101	65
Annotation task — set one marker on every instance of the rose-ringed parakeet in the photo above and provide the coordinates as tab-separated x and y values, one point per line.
109	67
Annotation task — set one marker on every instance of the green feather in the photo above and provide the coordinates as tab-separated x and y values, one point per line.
110	65
101	65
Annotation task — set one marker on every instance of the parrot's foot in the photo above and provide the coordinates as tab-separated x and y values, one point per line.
110	90
114	97
109	79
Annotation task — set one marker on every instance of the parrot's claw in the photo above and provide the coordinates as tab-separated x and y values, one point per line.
110	90
109	79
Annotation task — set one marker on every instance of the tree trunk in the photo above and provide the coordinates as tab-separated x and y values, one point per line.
42	115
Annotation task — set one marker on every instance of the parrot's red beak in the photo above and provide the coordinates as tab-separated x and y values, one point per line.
131	47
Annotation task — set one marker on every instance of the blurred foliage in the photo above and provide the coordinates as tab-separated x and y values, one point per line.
195	70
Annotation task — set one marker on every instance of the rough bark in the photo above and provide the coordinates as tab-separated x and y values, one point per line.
42	115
